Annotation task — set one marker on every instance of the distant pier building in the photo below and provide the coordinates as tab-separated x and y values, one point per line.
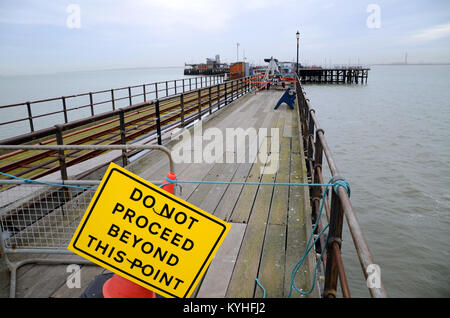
213	66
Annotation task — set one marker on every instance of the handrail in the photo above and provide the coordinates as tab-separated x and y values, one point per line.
315	146
149	120
94	147
87	120
186	84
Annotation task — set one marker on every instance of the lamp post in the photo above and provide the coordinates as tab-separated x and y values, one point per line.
237	52
298	37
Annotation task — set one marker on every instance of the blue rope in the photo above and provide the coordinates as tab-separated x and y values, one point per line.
45	183
336	184
170	181
262	287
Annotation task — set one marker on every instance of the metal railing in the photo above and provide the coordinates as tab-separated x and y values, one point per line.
92	101
40	217
149	120
316	147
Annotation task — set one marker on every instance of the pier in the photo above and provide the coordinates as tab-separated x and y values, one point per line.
271	224
343	74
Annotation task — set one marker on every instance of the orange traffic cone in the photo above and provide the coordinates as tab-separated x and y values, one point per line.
119	287
168	186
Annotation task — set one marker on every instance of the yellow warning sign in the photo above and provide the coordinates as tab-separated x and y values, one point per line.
147	235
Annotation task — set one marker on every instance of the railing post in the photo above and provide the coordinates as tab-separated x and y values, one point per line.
226	101
64	109
167	89
182	109
158	122
129	95
240	87
175	86
183	85
218	96
210	101
190	84
30	116
199	101
232	90
61	155
334	237
156	90
113	103
310	154
123	139
316	193
143	91
91	103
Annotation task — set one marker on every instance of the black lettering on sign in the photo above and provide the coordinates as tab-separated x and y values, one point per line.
165	211
148	201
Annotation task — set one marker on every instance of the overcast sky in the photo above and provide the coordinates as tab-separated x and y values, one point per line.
44	36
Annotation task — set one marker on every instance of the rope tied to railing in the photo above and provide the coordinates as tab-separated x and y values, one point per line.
335	182
30	181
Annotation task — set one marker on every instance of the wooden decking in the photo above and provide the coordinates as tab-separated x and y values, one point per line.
270	224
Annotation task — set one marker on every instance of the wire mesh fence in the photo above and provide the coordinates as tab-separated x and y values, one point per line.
41	216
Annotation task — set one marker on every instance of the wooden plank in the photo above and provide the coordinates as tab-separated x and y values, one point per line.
216	191
272	267
278	213
231	195
243	280
87	275
244	204
243	207
299	228
216	280
40	281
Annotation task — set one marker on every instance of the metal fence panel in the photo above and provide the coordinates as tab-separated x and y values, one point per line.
37	216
